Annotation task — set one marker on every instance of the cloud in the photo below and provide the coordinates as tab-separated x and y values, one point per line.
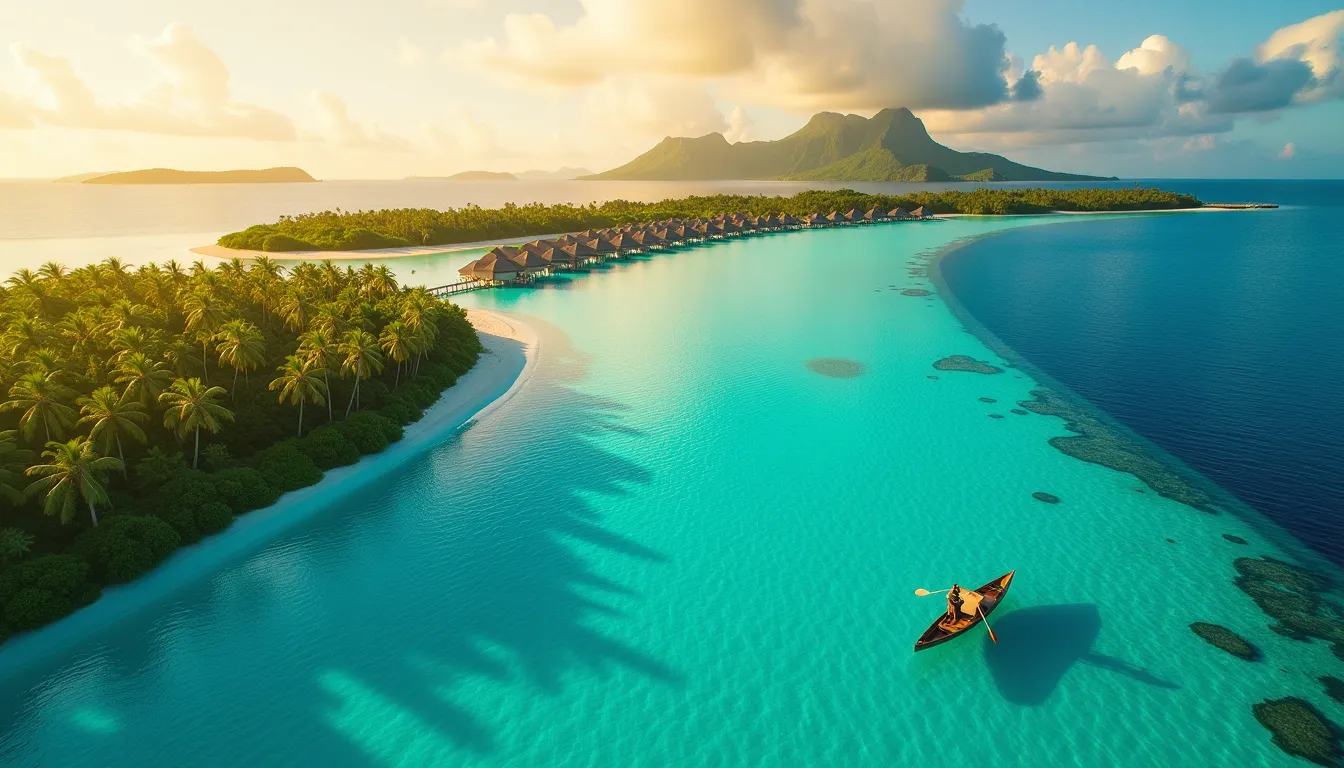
193	97
1199	143
739	125
344	130
1288	152
1027	87
1245	86
1156	54
408	54
1316	43
916	53
462	137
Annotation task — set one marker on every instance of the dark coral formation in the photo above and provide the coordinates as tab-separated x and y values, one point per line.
1299	729
1294	597
988	400
996	415
1018	411
915	292
1099	444
835	367
1235	539
1048	498
1225	639
931	376
965	363
1334	687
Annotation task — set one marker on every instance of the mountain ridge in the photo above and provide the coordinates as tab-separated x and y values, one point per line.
892	145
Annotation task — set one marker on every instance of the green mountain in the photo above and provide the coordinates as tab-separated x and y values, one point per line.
890	146
171	176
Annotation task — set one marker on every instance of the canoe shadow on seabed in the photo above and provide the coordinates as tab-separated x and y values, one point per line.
1037	647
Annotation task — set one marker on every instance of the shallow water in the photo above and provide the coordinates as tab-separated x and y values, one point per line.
678	545
1215	336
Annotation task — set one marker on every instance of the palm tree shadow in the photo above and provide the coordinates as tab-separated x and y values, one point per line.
499	522
1039	645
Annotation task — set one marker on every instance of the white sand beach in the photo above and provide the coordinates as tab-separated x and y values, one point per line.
220	252
511	352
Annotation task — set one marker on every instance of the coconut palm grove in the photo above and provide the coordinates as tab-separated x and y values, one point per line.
146	408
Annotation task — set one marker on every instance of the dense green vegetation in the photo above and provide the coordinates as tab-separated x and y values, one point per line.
147	408
892	145
356	230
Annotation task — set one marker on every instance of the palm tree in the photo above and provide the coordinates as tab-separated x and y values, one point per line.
190	406
40	398
242	346
143	377
362	359
13	460
181	355
317	349
297	310
298	381
74	474
203	318
395	341
111	417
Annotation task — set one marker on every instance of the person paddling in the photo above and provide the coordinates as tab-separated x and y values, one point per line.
954	604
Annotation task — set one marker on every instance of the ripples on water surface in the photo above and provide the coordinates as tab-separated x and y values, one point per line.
679	545
1216	336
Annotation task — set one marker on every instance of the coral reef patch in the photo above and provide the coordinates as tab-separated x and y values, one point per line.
1099	444
1299	729
965	363
1048	498
836	368
1235	539
1225	639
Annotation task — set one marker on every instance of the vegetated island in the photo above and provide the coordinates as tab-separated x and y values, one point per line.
284	175
402	227
468	176
564	173
892	145
147	408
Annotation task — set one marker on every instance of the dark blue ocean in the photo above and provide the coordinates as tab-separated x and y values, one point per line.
1218	337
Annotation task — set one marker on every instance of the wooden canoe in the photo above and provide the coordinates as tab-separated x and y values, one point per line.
940	632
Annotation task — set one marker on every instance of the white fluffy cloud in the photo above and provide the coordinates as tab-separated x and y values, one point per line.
833	54
193	98
348	132
1315	42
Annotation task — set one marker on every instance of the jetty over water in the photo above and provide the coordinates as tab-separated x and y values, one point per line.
1240	206
576	251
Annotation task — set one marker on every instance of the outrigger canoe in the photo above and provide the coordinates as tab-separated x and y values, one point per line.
990	595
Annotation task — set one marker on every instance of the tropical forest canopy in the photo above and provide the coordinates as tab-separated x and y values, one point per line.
358	230
146	408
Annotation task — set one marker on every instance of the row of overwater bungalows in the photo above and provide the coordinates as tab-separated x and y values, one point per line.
519	264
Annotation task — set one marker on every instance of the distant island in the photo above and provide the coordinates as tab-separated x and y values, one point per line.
559	173
890	146
482	176
367	230
284	175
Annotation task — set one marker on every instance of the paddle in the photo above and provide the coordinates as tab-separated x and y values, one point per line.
985	619
925	593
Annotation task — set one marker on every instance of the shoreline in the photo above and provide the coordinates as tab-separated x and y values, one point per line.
1225	501
223	253
512	349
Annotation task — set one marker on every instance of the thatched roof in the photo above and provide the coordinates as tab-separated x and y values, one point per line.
787	220
647	238
499	263
580	250
899	213
835	217
920	212
816	218
600	245
875	214
853	215
469	271
531	259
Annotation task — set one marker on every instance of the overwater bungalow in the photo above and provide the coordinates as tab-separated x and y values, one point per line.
921	213
817	220
532	261
647	239
852	216
581	253
496	267
874	214
835	218
790	222
602	245
625	244
898	213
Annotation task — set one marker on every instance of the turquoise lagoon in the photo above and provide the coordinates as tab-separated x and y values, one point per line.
678	545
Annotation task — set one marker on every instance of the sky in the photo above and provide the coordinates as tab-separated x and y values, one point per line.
362	89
